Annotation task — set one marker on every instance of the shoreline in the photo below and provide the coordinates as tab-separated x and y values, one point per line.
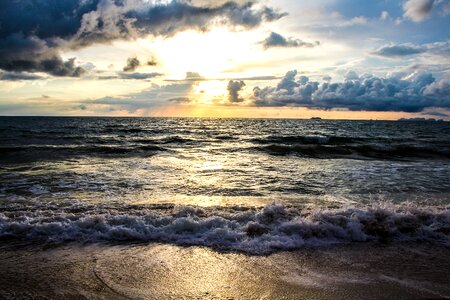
166	271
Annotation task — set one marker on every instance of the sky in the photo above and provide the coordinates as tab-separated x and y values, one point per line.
340	59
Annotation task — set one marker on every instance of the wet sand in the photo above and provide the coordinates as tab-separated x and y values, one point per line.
161	271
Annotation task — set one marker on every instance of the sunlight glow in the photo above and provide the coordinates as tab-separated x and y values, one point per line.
207	92
209	53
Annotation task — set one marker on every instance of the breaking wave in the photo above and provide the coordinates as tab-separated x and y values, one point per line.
255	231
342	146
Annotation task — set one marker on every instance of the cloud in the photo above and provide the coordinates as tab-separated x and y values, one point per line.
180	100
351	75
167	19
418	10
193	76
384	16
234	87
139	75
409	93
439	48
132	64
402	50
277	40
339	21
128	76
151	62
356	21
436	114
440	89
398	50
20	53
154	96
33	33
445	11
14	76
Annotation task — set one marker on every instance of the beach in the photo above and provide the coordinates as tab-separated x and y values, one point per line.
175	208
159	271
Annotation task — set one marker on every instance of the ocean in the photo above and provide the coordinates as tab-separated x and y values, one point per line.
255	186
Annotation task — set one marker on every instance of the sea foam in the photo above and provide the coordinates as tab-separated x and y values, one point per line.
256	231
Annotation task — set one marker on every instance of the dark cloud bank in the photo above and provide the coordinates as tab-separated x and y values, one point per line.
33	32
400	92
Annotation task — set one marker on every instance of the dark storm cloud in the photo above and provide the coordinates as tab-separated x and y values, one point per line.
167	19
277	40
234	87
14	76
408	93
20	53
132	64
33	32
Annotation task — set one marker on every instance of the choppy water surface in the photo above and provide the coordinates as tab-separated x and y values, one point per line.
143	178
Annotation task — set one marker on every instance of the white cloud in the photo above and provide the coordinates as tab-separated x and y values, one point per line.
384	16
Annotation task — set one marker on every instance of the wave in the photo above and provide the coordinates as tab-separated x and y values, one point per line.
377	151
307	139
176	140
333	146
254	231
40	152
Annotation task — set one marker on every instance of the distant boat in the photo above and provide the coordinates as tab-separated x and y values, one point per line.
316	118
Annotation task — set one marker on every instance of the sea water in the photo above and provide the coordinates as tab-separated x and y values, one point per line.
252	185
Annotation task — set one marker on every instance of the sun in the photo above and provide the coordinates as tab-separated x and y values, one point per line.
210	92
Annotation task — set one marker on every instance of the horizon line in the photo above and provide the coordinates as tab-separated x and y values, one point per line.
418	119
